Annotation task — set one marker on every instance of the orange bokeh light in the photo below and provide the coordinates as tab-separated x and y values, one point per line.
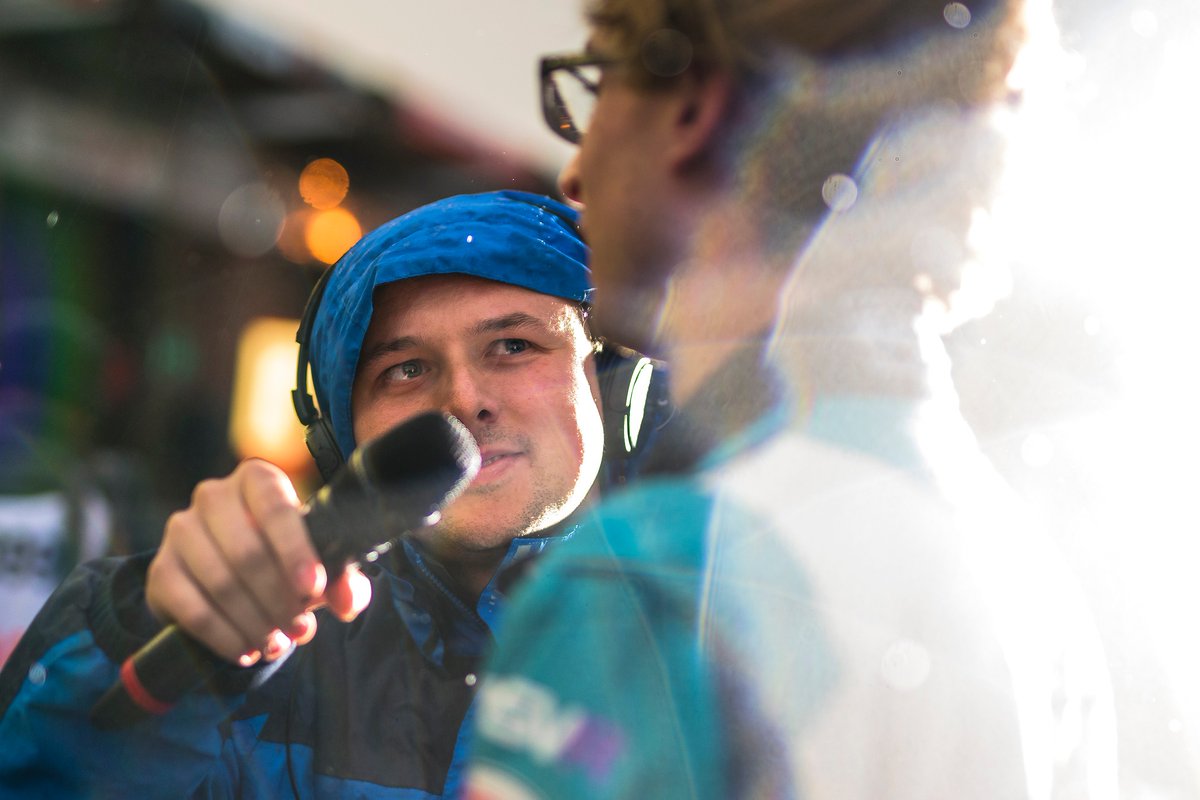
324	183
262	423
329	234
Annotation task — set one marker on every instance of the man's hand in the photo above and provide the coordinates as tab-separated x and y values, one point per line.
236	569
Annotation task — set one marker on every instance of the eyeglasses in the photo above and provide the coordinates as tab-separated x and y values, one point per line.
569	88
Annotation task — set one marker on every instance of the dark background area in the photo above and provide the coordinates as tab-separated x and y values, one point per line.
128	125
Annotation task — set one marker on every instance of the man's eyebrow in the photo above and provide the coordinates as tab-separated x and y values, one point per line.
517	319
508	322
389	347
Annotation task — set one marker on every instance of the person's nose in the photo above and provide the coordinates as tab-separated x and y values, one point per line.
465	394
569	182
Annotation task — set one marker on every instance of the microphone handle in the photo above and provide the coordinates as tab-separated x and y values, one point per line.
154	678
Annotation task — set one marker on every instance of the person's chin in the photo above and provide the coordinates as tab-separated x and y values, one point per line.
479	531
492	512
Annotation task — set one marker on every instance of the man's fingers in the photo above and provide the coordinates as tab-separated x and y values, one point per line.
190	607
237	570
273	505
239	533
349	594
205	567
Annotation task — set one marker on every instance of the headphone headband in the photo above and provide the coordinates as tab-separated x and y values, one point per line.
302	401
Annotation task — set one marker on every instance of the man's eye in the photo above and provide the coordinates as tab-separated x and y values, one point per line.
513	346
405	371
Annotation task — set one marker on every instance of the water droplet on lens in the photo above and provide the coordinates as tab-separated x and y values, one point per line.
37	673
839	192
957	15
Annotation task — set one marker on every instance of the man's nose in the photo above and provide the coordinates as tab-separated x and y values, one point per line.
569	182
465	394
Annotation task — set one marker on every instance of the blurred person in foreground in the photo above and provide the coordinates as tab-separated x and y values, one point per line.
473	305
825	592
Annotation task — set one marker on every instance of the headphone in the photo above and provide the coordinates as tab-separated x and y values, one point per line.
318	432
634	403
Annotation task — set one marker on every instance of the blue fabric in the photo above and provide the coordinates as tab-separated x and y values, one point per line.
518	238
371	709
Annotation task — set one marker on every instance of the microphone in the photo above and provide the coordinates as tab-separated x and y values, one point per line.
395	483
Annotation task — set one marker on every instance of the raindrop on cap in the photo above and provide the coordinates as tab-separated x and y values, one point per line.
51	219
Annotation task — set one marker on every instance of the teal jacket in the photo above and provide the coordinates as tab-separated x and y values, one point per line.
799	618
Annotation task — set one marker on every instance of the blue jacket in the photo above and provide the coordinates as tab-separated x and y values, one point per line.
373	708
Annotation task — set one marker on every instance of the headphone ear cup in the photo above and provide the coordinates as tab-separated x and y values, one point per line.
324	448
634	404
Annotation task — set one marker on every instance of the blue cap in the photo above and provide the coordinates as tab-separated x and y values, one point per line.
512	237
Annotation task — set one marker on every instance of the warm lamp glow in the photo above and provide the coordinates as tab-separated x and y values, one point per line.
324	183
262	422
331	233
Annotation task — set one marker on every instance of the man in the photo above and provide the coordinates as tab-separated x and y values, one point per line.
474	306
824	594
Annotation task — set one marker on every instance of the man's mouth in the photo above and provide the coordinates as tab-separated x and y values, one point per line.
492	458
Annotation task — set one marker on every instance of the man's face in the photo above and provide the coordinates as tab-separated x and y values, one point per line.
617	179
516	367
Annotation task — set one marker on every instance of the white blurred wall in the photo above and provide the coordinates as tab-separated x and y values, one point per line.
471	64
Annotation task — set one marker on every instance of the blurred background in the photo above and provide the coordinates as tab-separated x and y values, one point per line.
175	175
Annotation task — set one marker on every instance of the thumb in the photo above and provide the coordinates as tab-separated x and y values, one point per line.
347	596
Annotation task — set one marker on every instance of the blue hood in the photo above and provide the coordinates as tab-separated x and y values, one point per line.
512	237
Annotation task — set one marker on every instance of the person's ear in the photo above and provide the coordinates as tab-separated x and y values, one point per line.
702	102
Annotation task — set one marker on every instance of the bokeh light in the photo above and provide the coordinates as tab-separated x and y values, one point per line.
329	234
250	219
262	422
324	183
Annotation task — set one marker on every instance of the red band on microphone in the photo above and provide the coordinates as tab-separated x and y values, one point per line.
137	692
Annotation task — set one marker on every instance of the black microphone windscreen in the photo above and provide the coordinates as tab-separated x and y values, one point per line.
391	485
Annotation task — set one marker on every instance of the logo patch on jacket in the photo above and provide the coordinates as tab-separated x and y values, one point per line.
528	718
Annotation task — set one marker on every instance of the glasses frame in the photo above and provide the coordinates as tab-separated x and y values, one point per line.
554	109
